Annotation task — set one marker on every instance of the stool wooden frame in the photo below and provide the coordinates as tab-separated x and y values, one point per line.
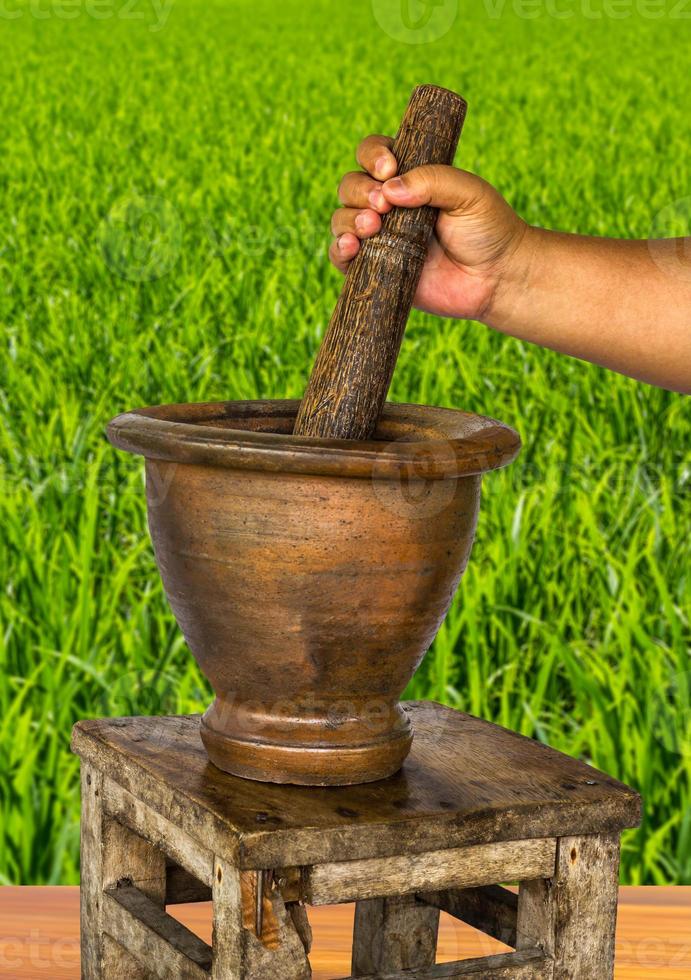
474	805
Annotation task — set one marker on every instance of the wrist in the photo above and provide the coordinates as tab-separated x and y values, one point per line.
516	273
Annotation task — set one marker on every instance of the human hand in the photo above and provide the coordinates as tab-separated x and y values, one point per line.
476	249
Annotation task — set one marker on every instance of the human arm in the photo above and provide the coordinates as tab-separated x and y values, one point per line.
625	305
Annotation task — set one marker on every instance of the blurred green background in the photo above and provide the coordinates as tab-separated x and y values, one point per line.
168	174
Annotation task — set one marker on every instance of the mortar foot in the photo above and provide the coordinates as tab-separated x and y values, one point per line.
307	765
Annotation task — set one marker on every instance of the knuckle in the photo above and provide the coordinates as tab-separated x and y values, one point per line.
435	181
369	150
345	186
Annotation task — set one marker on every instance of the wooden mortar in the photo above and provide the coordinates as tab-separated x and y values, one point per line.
310	576
309	572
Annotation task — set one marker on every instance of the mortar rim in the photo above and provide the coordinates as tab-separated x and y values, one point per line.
453	444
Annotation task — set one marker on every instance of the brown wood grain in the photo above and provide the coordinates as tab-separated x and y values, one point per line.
395	933
523	860
39	935
326	565
353	369
466	782
139	926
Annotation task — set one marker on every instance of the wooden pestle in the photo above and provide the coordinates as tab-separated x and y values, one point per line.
350	379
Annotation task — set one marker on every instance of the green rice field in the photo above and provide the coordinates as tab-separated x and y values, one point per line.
168	171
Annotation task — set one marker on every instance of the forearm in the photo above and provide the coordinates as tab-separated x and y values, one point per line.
622	304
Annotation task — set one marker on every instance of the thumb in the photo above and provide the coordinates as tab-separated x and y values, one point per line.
454	191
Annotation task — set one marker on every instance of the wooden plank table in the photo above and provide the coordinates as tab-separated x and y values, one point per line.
39	935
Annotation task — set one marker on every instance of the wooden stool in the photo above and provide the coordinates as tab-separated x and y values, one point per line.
475	805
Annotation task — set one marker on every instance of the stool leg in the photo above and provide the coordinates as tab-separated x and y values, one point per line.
237	952
110	852
574	915
127	855
393	934
91	874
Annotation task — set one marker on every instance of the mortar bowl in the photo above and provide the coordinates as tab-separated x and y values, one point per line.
310	576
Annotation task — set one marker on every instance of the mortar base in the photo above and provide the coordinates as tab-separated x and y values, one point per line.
304	765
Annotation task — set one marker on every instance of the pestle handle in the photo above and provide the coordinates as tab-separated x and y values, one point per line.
350	379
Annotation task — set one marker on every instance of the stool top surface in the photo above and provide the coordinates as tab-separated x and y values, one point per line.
465	782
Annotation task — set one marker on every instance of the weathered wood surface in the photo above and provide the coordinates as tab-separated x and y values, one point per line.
110	851
163	946
117	962
573	916
564	923
489	908
535	915
159	831
393	934
526	965
125	855
353	369
481	864
125	931
585	907
281	952
466	782
228	943
91	857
